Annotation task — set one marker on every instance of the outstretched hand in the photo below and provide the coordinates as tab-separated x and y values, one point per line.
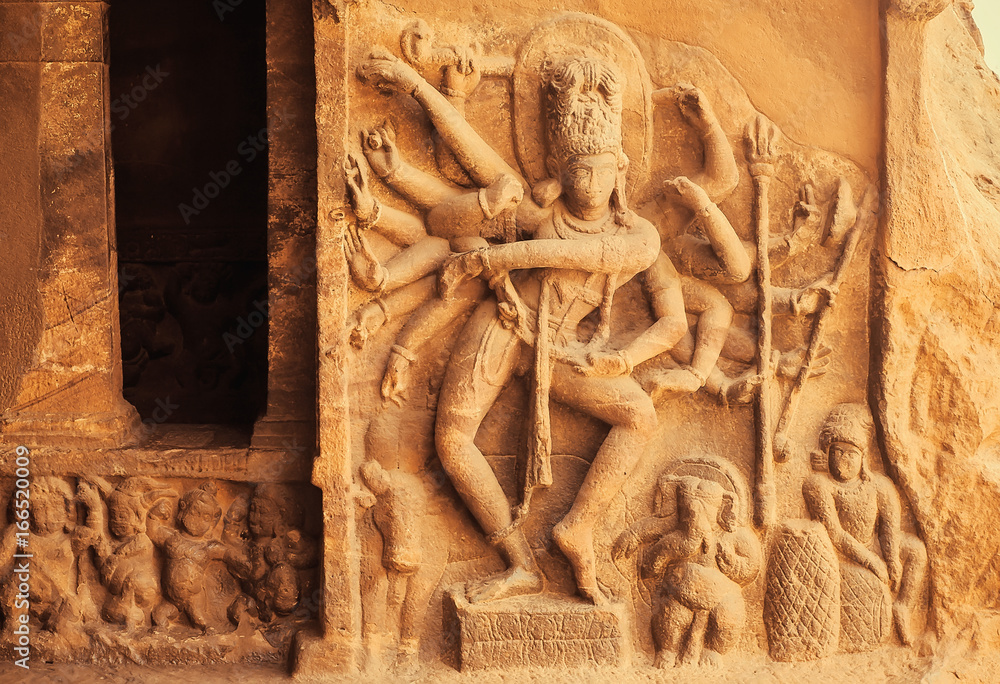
379	146
808	300
601	364
460	268
366	270
695	107
789	363
86	493
806	207
462	78
396	381
388	73
358	191
687	193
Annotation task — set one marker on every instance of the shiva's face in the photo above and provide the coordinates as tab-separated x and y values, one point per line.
589	179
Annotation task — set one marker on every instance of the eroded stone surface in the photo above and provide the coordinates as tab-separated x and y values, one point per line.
642	340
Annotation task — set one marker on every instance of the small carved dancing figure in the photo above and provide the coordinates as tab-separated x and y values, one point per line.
704	556
125	560
52	578
268	563
188	549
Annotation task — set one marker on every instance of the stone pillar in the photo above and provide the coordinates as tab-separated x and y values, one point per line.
61	381
289	424
937	292
338	647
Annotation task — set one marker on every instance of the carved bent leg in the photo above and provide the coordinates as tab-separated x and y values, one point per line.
913	555
621	403
669	626
480	366
418	596
700	351
725	623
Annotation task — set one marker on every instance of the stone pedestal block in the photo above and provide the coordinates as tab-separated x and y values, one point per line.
536	631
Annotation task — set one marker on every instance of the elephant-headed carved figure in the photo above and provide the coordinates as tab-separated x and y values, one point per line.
701	555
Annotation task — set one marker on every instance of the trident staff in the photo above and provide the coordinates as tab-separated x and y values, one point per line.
762	150
861	226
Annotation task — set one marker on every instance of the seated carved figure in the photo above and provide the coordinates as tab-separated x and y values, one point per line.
703	557
125	561
861	511
268	564
51	596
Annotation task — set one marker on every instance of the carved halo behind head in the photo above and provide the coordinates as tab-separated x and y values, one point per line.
587	40
713	469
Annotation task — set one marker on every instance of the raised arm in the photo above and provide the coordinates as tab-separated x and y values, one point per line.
398	226
387	72
720	175
723	259
420	188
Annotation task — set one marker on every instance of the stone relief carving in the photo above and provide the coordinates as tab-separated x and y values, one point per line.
851	574
500	273
703	553
124	569
860	510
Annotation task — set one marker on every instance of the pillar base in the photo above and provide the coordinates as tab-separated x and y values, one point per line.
102	430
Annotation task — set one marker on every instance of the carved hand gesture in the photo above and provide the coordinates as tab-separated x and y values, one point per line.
687	193
86	493
806	207
460	79
396	381
601	364
878	566
388	73
379	146
808	300
741	390
505	192
358	191
367	321
789	363
162	510
806	226
694	106
365	268
459	268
